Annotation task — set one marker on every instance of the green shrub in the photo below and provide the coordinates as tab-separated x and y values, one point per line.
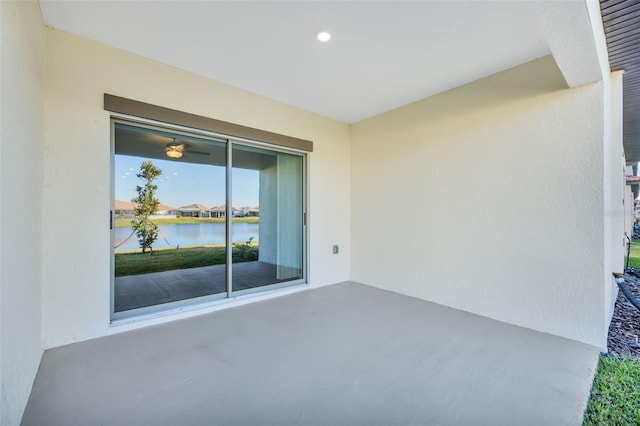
245	251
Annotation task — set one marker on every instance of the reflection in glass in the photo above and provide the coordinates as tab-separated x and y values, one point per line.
276	256
189	255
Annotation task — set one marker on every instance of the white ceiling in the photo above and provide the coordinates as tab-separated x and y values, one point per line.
382	55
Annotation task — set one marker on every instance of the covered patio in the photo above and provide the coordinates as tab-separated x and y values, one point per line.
463	208
342	354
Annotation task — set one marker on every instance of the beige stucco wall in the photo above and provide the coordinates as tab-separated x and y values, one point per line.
488	198
614	186
21	179
76	239
628	212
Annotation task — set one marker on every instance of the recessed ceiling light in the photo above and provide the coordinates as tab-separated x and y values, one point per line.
323	36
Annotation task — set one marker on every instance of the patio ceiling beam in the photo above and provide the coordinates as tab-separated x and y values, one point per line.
568	29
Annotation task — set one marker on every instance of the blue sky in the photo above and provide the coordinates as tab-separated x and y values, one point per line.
183	183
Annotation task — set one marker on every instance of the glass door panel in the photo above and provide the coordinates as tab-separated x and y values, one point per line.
169	219
267	198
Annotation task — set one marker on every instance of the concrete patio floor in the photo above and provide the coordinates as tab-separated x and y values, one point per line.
346	354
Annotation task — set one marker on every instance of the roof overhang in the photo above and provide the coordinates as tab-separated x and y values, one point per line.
621	22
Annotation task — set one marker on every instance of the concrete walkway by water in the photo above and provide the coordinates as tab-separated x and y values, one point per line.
346	354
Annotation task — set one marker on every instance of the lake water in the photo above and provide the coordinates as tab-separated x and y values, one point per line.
190	234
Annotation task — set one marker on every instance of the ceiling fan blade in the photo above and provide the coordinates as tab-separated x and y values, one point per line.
187	151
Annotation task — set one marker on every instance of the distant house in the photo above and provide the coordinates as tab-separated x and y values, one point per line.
164	210
219	211
123	209
193	210
126	210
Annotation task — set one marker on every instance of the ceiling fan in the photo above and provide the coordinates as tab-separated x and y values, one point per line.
177	149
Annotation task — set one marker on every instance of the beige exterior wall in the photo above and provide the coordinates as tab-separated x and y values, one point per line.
78	73
489	198
614	185
21	191
628	212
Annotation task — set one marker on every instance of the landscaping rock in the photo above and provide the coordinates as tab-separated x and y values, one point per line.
624	332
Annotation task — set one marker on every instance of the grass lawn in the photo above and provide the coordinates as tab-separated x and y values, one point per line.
136	263
167	260
634	255
615	396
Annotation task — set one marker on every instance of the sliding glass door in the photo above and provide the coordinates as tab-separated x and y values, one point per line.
197	218
276	197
